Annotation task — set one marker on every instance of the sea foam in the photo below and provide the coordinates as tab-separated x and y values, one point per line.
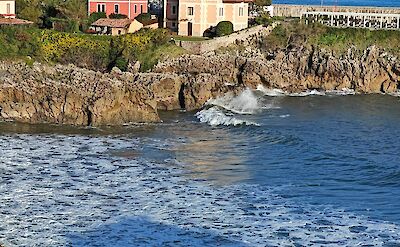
72	191
230	109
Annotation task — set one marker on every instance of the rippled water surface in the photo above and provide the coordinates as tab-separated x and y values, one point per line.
251	170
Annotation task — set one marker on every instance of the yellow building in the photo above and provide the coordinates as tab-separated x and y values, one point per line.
193	17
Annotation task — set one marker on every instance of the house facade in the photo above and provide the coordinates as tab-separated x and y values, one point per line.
130	8
194	17
7	8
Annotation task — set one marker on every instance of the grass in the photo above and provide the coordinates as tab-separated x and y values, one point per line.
150	57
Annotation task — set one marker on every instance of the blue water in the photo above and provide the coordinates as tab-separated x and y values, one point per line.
252	170
383	3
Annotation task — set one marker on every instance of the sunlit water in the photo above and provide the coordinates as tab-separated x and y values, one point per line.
252	170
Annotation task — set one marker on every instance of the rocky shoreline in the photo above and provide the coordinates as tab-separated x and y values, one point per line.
70	95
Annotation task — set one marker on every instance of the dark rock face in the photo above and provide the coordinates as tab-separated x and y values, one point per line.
70	95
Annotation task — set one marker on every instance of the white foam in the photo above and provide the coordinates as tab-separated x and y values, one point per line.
274	92
244	103
343	91
69	191
271	91
215	116
395	94
308	93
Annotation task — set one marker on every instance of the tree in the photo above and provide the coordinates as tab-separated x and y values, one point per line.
95	16
75	10
31	10
224	28
262	3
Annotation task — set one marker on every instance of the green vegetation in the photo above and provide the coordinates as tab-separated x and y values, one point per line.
71	14
94	52
95	16
143	17
224	28
117	16
295	33
189	38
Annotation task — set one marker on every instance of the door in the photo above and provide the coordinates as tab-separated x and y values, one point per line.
190	29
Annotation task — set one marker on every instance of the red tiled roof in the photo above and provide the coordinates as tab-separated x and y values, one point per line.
14	21
117	23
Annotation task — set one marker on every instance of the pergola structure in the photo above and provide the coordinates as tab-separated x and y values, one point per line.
356	20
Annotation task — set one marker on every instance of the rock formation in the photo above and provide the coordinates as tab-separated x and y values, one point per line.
70	95
297	69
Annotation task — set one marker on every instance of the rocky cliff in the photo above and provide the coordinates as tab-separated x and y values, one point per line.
297	69
70	95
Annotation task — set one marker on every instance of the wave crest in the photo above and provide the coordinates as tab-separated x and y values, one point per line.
229	109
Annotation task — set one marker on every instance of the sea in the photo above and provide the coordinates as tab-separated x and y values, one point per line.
262	168
376	3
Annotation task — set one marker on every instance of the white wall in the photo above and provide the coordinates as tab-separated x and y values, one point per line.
3	8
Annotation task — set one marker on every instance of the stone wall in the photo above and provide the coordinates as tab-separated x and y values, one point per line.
200	47
287	10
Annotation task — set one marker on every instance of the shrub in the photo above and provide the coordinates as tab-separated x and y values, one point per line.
143	17
224	28
117	16
95	16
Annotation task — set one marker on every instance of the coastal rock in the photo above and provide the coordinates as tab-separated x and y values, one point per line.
294	69
69	95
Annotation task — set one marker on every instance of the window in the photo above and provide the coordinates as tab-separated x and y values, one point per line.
173	10
190	11
241	11
8	8
135	8
221	11
141	8
173	24
116	8
101	8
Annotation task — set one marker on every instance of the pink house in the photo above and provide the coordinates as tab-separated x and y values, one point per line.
130	8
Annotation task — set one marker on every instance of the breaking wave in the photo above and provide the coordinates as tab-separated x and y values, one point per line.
230	109
215	116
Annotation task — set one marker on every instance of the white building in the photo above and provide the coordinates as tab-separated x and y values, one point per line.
7	8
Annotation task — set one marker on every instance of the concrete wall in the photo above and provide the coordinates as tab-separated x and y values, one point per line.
297	10
7	9
199	47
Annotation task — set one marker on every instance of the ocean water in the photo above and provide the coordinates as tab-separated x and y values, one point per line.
263	168
382	3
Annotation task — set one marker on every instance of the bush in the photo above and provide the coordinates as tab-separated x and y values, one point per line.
100	53
117	16
95	16
224	28
143	17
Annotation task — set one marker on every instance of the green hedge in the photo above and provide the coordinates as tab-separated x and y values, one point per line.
224	28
